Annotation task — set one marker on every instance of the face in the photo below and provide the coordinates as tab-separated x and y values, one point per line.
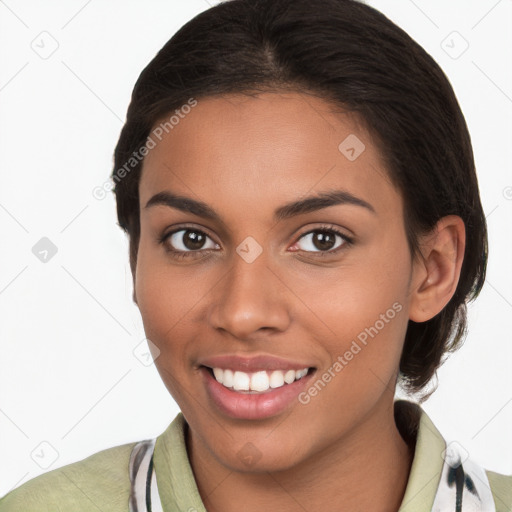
230	276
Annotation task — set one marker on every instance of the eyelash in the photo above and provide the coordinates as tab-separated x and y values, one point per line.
348	241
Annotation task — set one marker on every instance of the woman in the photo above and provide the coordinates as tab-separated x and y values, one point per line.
297	183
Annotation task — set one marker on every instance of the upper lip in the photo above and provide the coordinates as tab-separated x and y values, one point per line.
252	364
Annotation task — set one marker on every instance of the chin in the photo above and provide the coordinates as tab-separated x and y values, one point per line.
252	461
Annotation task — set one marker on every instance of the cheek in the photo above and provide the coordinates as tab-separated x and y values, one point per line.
162	301
360	311
379	311
164	318
348	298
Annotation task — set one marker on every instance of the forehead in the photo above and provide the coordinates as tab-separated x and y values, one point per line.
265	149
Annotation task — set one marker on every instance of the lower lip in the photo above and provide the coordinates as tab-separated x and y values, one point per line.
253	406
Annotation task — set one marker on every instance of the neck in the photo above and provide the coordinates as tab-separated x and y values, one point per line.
367	469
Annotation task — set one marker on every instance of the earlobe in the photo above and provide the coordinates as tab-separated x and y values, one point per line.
437	273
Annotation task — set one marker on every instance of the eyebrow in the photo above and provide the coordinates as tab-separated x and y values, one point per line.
300	207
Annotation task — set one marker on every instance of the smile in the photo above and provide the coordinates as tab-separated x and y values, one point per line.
256	382
258	399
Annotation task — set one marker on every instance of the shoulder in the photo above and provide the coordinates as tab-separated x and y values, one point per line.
98	482
434	456
501	487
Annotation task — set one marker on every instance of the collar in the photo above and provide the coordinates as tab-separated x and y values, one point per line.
417	428
442	478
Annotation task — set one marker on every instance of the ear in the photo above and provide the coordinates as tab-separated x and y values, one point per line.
436	272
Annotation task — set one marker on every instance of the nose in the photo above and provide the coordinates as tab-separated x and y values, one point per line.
250	299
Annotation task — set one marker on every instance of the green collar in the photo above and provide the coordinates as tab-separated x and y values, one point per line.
172	465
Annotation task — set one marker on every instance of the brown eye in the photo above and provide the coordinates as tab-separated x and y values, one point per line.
324	240
187	240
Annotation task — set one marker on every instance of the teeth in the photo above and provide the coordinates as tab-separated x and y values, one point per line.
241	381
301	373
259	381
276	379
219	374
227	378
289	376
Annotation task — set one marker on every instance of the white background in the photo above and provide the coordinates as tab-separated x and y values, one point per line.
68	376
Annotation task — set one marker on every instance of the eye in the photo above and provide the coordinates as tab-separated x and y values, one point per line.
323	241
188	241
185	242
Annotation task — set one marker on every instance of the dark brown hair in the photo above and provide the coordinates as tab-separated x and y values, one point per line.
352	56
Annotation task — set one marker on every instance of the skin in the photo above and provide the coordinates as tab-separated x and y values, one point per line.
245	157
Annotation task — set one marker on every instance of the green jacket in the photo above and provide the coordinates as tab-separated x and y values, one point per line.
102	481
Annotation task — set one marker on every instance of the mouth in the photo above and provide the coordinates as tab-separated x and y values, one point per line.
262	381
254	395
